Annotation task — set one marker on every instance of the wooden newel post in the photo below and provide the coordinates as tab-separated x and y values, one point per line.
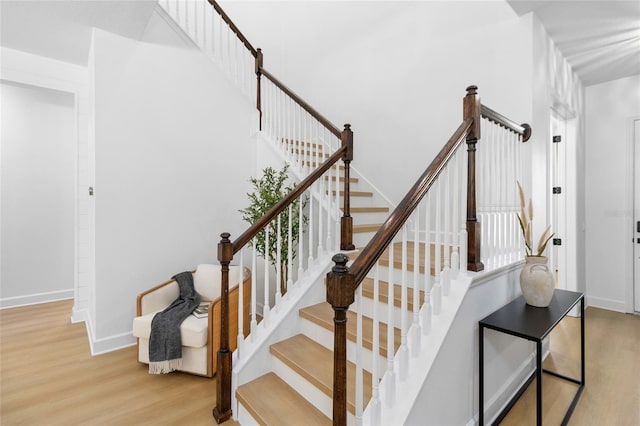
471	107
258	69
222	410
346	222
340	294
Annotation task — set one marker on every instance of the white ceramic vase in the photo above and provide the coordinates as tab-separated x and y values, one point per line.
536	282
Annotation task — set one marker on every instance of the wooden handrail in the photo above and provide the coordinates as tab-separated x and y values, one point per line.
315	114
381	240
233	27
251	232
522	129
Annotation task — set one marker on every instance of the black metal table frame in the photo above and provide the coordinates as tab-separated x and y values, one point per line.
537	374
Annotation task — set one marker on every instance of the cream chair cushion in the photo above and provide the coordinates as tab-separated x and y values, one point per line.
206	281
193	330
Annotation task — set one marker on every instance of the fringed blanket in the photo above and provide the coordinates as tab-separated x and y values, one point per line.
165	343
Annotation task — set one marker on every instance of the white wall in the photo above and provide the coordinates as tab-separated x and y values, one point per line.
609	180
38	200
173	160
449	396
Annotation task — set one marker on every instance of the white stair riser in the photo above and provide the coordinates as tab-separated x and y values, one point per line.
383	275
308	391
360	218
367	310
324	337
244	417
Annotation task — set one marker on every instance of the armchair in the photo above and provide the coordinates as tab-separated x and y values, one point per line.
200	336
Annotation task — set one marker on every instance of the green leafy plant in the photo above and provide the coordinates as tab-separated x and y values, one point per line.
525	218
268	191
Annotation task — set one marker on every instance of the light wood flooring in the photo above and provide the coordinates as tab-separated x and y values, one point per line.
48	376
611	396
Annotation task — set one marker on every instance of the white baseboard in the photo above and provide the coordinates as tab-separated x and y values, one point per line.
79	315
609	304
34	299
104	345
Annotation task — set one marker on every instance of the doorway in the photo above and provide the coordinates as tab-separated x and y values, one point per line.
38	194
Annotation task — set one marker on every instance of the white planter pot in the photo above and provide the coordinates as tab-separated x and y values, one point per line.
536	282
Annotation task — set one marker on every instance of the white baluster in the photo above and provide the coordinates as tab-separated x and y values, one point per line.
254	289
300	239
311	223
240	339
403	352
290	247
265	308
463	214
329	198
359	384
415	327
457	188
375	352
278	261
445	279
390	391
426	310
321	186
436	292
446	207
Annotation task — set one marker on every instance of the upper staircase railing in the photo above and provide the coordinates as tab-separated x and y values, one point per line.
313	219
429	239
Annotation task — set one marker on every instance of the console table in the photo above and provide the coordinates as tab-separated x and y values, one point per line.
534	324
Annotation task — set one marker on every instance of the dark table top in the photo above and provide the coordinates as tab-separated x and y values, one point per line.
519	319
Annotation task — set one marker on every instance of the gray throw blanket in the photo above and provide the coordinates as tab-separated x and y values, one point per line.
165	342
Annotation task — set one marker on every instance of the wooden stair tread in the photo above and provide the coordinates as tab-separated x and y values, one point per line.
383	296
355	193
341	179
322	315
368	209
311	151
283	406
314	362
318	163
371	227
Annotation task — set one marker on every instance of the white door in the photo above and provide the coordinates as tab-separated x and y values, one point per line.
636	216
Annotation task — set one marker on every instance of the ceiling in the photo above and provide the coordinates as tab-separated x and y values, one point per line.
62	29
600	39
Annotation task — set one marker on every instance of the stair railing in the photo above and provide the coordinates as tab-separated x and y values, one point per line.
427	241
311	210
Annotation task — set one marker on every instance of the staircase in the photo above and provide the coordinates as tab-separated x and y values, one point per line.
391	302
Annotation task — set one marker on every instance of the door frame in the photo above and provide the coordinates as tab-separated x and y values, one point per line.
569	191
629	252
37	71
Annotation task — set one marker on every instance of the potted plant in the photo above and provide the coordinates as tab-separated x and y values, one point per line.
536	280
268	191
